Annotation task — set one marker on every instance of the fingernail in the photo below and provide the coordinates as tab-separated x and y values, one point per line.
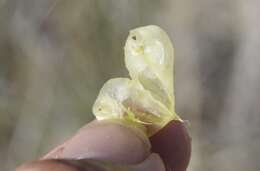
136	130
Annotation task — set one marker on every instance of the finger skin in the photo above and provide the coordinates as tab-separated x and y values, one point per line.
104	141
173	144
73	165
45	165
152	163
90	149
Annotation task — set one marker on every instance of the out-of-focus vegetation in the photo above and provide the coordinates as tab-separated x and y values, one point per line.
56	54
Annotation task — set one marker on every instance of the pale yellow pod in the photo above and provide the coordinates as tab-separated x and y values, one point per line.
147	98
149	59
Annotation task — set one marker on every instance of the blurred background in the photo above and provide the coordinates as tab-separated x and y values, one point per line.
56	54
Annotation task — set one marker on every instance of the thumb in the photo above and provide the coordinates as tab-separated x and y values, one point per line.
104	140
103	146
152	163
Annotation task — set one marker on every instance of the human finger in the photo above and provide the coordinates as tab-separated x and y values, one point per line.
173	144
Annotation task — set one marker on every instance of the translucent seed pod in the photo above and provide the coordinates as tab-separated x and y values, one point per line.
147	98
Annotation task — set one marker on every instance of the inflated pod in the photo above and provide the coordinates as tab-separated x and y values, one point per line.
146	99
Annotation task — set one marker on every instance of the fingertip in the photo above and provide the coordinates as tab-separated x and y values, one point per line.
173	144
104	140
